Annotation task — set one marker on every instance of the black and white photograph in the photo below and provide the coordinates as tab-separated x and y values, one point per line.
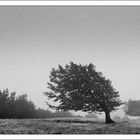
70	69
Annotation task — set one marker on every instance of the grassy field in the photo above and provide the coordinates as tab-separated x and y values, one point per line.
67	126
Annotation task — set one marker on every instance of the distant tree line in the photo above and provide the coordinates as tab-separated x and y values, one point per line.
15	107
132	108
12	106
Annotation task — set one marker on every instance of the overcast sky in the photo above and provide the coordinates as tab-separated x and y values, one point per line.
35	39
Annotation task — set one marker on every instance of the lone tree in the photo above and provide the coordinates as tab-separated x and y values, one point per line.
81	87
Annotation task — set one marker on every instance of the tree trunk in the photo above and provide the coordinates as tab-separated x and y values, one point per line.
108	118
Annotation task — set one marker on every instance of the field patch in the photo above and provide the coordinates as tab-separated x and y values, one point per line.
67	126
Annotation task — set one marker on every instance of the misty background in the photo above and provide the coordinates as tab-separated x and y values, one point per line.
34	39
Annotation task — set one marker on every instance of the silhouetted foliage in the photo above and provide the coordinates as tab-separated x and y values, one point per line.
4	103
132	108
24	108
15	107
81	87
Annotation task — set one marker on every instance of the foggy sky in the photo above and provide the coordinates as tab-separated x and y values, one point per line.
35	39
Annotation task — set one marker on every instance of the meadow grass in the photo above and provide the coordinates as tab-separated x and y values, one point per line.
67	126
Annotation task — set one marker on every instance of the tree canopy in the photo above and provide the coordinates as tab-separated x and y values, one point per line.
81	87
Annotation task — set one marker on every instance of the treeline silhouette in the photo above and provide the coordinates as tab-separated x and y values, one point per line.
12	106
132	108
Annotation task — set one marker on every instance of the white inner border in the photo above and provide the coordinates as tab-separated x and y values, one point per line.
69	3
39	3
